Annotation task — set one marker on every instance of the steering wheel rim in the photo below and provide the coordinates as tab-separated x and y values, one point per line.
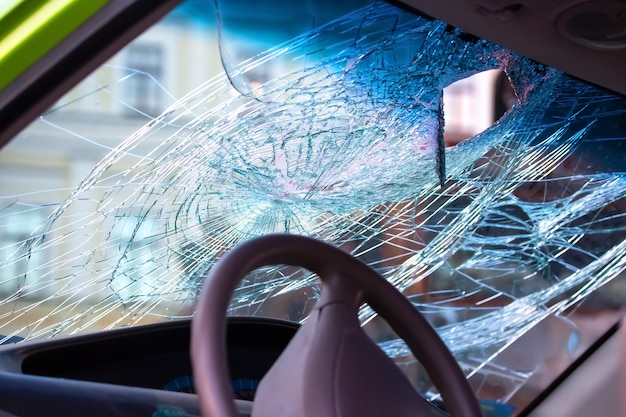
208	335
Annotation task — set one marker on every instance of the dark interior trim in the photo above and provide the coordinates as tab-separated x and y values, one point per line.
402	5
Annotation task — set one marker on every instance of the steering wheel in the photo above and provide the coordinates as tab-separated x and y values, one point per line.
353	282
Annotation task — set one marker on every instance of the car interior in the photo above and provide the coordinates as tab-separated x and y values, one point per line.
271	208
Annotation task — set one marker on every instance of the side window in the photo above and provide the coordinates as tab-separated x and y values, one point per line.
143	93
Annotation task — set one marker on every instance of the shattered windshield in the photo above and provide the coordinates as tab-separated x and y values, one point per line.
121	197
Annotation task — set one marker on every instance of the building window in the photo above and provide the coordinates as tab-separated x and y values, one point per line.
22	269
143	91
134	279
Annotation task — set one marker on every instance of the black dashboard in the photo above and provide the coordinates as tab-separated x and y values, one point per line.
146	368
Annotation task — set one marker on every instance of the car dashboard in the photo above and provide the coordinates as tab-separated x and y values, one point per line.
139	370
146	371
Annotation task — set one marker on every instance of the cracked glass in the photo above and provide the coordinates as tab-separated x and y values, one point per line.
121	197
